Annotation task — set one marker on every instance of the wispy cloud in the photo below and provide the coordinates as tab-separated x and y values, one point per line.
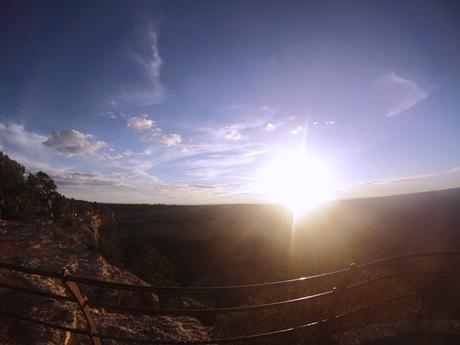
232	132
298	129
401	94
150	130
212	162
248	122
93	179
144	53
110	114
242	130
406	184
126	187
68	154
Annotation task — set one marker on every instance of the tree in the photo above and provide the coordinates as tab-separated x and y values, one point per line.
11	186
43	192
22	197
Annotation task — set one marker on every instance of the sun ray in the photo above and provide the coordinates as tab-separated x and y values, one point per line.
298	181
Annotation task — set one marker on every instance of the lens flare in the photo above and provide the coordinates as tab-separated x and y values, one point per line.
297	180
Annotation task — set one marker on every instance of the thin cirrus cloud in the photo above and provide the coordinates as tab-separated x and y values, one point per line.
397	94
70	179
132	75
243	130
148	88
410	184
130	187
218	160
254	119
127	75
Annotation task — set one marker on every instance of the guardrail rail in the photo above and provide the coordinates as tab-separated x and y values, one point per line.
331	323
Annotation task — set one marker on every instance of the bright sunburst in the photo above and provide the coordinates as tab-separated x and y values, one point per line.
297	180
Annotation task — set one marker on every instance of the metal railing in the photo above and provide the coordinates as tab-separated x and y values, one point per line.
330	323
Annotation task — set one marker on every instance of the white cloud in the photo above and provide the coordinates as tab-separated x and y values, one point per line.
141	123
110	114
122	177
298	129
237	131
250	121
25	147
150	131
171	139
232	132
14	137
400	94
74	143
129	176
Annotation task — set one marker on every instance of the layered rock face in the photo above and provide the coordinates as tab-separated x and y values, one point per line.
42	245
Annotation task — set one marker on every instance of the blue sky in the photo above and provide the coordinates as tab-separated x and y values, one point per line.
183	101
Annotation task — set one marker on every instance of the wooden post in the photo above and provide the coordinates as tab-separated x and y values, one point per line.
74	290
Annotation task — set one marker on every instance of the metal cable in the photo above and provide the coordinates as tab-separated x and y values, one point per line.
124	309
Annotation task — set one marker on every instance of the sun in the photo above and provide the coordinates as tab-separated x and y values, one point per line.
298	181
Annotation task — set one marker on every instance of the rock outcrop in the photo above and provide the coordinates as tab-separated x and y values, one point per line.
44	245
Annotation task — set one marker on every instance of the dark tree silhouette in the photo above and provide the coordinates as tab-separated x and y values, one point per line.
24	196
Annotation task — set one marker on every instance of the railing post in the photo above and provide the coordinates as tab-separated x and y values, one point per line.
82	302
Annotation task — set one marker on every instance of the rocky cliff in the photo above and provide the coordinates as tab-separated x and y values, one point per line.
45	245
